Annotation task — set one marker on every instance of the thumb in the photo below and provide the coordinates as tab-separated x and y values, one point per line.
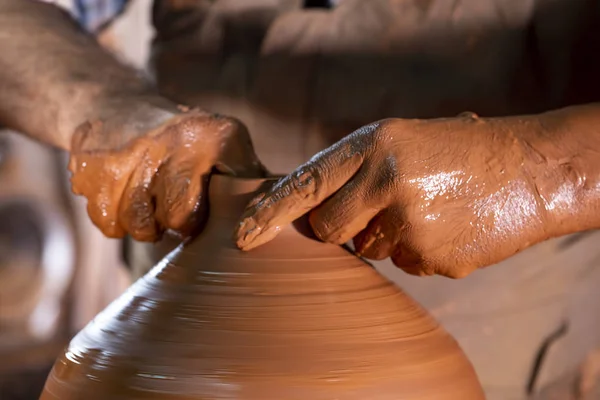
296	194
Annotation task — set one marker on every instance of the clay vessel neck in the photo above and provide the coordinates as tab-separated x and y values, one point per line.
228	197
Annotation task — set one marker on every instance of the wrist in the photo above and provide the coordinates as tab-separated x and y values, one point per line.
564	167
118	119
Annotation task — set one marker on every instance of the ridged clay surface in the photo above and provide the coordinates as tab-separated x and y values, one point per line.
293	319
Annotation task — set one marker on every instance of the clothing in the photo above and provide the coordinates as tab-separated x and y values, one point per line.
93	15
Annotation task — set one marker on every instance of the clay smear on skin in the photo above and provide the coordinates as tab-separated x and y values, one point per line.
444	196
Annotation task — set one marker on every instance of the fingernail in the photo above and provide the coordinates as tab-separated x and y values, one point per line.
247	232
253	235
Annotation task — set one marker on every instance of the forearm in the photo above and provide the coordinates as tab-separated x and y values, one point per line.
566	154
54	76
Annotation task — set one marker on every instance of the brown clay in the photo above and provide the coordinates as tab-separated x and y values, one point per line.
295	319
145	182
444	196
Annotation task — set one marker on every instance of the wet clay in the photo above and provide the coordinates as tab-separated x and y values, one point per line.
294	319
141	160
444	196
146	180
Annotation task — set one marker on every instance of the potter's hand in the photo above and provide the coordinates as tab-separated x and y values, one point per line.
441	196
140	161
142	181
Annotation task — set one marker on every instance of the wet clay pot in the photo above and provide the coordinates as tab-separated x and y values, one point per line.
293	319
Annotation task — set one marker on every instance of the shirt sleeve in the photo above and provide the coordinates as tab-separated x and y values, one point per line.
94	15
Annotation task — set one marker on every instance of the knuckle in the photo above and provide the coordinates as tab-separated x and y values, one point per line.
319	226
373	138
229	126
365	137
306	180
389	170
301	184
383	133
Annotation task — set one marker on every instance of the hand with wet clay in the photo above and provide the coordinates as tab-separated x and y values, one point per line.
443	196
145	181
141	161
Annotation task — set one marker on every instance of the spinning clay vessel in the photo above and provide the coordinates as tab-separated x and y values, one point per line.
295	319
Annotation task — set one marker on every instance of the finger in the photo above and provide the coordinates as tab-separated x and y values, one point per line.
379	239
346	213
90	173
409	261
136	211
178	189
297	193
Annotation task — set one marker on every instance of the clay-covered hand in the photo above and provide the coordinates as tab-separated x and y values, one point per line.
443	196
146	172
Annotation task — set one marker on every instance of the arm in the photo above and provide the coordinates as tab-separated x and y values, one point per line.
444	196
142	163
565	156
54	77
